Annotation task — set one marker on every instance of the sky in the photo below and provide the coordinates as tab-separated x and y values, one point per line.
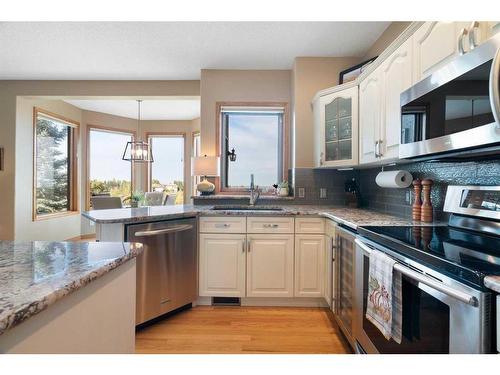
168	154
107	150
255	140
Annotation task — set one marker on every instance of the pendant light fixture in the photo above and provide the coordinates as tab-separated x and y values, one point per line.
138	150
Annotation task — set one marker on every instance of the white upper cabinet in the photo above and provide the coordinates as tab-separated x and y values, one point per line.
336	128
379	106
435	44
370	111
396	73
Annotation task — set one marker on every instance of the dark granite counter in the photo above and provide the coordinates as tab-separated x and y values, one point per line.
34	275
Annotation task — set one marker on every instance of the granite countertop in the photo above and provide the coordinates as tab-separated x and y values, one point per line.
34	275
352	217
492	282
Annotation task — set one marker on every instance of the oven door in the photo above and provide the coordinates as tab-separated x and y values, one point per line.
456	108
439	316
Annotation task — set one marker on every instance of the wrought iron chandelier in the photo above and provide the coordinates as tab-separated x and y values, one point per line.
139	150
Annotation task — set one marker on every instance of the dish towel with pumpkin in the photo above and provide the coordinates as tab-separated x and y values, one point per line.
384	305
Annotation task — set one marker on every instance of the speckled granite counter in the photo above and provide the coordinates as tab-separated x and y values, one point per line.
492	282
34	275
352	217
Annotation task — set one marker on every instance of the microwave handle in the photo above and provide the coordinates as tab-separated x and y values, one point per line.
494	83
461	36
443	288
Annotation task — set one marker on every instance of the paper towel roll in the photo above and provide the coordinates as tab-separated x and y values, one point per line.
394	179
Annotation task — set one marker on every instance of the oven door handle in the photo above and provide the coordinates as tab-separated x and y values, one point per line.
443	288
494	87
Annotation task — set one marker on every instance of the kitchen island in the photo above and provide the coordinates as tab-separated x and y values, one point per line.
67	297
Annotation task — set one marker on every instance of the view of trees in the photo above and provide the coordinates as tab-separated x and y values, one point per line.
122	188
52	167
115	188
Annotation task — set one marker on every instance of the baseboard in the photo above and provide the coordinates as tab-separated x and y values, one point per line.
269	301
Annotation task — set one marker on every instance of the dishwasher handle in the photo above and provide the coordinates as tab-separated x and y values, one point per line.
443	288
157	232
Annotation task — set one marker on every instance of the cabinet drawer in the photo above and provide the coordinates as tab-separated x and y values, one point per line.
270	225
222	224
310	225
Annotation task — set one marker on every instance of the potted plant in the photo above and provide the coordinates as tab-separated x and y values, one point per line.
135	198
283	188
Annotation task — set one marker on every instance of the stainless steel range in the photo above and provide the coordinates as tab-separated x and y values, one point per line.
446	307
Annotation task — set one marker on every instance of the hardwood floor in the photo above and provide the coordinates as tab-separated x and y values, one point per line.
239	330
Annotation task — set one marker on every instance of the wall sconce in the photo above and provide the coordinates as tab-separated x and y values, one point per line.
1	158
232	155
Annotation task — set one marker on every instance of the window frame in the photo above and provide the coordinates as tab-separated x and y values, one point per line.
195	179
74	206
108	129
149	175
285	149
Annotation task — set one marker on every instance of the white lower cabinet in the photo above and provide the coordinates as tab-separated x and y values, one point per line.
276	263
309	265
222	265
270	265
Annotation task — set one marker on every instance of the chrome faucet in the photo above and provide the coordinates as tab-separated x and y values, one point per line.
254	192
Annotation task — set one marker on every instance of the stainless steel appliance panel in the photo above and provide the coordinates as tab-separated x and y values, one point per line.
440	315
456	108
167	268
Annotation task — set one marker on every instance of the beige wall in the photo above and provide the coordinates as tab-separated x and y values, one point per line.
11	90
311	74
25	228
387	37
237	86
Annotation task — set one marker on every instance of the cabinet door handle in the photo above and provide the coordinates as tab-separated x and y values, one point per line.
225	225
376	149
249	244
380	149
472	35
243	245
270	225
461	36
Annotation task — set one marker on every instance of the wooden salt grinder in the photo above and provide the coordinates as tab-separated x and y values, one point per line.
426	211
417	204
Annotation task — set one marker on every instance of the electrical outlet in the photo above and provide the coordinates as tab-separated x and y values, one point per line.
322	192
302	192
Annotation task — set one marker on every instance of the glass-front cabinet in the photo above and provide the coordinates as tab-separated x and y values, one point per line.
336	127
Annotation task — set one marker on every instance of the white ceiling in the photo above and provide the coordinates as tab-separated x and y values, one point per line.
171	109
170	50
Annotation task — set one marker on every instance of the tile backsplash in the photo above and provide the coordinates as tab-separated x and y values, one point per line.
399	201
311	182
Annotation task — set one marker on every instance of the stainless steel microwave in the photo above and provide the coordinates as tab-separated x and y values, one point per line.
457	108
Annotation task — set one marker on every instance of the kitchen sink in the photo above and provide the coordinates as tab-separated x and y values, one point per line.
246	208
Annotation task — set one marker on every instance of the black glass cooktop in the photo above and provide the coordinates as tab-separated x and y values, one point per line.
461	254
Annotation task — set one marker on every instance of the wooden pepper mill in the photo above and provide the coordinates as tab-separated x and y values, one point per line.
417	204
426	211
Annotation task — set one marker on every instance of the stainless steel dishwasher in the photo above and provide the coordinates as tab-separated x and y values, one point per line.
167	268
